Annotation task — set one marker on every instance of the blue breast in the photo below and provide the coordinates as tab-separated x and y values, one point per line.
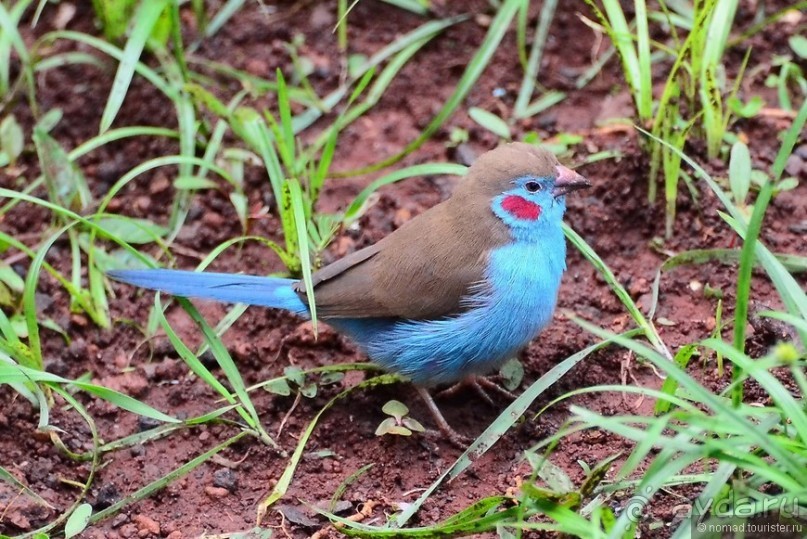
507	310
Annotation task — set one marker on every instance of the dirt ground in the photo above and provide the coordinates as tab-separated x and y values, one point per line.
614	217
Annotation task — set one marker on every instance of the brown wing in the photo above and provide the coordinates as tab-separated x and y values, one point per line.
424	269
421	271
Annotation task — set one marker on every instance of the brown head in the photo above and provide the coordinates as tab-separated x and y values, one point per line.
520	184
493	172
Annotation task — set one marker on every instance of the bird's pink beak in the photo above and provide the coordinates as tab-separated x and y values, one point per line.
568	181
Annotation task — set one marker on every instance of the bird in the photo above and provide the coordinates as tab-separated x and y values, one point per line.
451	294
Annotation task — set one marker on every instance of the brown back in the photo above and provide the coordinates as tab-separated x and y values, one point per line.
425	268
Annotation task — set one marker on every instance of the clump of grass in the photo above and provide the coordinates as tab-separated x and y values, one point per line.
696	100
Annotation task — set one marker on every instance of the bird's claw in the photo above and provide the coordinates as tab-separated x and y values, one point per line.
479	384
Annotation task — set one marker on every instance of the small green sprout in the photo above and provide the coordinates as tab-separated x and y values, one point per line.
399	424
457	136
512	373
742	177
295	378
786	353
12	140
789	81
493	123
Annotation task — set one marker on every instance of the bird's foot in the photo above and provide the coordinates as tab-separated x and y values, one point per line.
457	440
480	384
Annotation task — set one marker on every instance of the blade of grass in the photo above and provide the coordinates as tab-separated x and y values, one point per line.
426	31
18	485
221	17
298	210
284	481
793	263
744	280
161	483
10	38
20	373
146	17
534	61
647	327
357	206
110	50
245	407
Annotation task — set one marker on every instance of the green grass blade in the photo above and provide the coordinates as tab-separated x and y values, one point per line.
418	7
792	135
29	297
298	210
139	67
227	365
793	263
547	100
633	309
644	81
20	373
245	407
791	319
19	486
719	30
744	278
534	61
169	478
157	163
282	485
10	38
145	19
496	31
112	135
222	16
358	205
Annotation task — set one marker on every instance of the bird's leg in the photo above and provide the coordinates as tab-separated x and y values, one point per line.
483	382
453	436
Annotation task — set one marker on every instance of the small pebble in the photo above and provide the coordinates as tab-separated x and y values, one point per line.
225	478
794	165
213	220
146	423
77	349
148	524
127	530
216	492
143	203
159	184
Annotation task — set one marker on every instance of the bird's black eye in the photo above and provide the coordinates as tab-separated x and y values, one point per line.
533	187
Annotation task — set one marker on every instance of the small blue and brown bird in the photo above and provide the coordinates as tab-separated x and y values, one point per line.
453	293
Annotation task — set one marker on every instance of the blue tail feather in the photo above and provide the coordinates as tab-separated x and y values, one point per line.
230	288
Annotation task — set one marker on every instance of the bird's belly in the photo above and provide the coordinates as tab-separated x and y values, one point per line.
513	309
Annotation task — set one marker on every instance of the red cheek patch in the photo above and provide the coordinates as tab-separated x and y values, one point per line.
521	208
